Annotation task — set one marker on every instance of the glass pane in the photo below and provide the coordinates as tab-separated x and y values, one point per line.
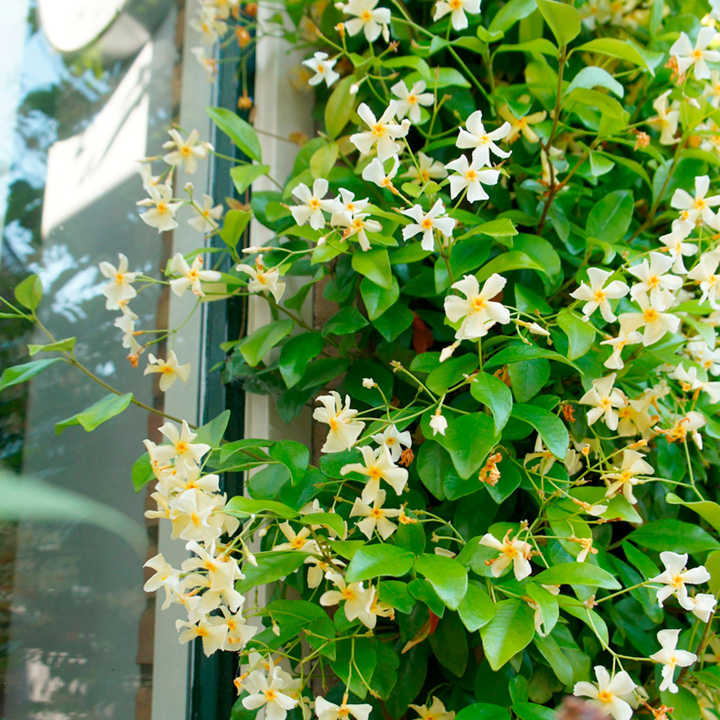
76	629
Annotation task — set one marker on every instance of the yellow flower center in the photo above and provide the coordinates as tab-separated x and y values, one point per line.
366	16
377	513
426	223
677	582
161	208
314	203
181	447
478	303
599	296
378	130
412	99
697	55
297	542
348	594
605	696
651	315
270	695
471	175
375	472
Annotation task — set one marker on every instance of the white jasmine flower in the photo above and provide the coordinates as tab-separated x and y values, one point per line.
185	152
299	541
119	290
330	711
345	207
477	310
438	423
409	101
694	209
670	658
711	91
368	383
165	576
383	133
191	276
689	381
161	214
457	10
186	454
597	294
703	606
676	576
653	319
698	56
344	429
427	169
170	370
685	425
471	176
667	118
377	465
126	323
322	66
359	224
376	516
368	19
605	399
209	25
427	222
357	598
374	172
612	695
313	203
675	243
521	125
393	440
704	273
436	711
206	216
626	477
512	552
482	142
268	695
148	179
708	358
624	337
654	282
212	630
262	279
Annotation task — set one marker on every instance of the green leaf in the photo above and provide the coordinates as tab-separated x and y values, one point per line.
22	373
591	77
271	566
680	536
211	433
241	506
98	413
257	345
450	372
495	394
355	663
243	176
372	561
510	12
447	576
556	658
329	520
294	455
142	472
562	19
394	322
518	351
65	345
500	228
345	322
575	573
296	354
234	226
468	439
295	616
395	594
512	260
551	429
476	608
537	46
613	47
509	632
385	674
323	160
531	711
339	107
378	299
483	711
610	217
706	509
580	332
239	131
374	265
29	292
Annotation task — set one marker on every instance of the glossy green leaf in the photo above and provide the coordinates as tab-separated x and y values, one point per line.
510	12
509	632
296	354
476	609
271	566
371	561
495	394
580	333
378	299
468	439
591	77
65	345
447	576
616	48
22	373
29	292
450	372
234	226
98	413
610	217
257	345
339	107
239	131
345	322
550	427
576	573
676	534
706	509
562	19
511	260
483	711
374	265
243	176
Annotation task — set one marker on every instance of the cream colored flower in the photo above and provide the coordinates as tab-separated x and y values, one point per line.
598	293
376	517
477	310
427	169
170	370
670	658
263	280
161	214
185	152
358	600
695	208
191	276
344	429
378	466
457	10
313	203
408	102
322	66
521	125
119	290
206	216
427	222
394	441
471	176
633	470
612	695
368	19
676	576
382	134
330	711
436	711
697	56
604	399
512	552
667	118
480	140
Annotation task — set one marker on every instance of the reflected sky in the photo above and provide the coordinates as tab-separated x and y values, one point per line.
75	641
